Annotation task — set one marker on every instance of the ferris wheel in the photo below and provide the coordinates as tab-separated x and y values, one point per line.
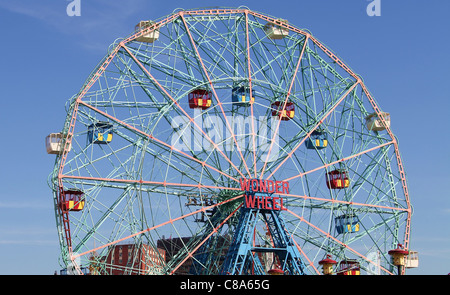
226	141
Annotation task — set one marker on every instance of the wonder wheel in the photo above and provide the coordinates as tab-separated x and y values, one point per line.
226	141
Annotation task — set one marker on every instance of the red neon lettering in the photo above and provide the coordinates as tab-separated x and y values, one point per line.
244	184
260	202
262	186
255	185
250	201
285	187
275	203
266	203
281	205
278	187
270	186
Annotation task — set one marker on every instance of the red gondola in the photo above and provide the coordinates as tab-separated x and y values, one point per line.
200	98
337	179
72	200
285	113
349	267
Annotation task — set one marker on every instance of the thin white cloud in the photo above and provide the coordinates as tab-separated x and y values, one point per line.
41	11
24	205
446	210
100	23
28	230
29	242
35	235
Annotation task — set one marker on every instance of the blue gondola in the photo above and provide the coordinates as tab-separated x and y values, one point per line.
241	95
347	223
317	140
100	133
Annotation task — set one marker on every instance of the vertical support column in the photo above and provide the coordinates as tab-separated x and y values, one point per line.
242	257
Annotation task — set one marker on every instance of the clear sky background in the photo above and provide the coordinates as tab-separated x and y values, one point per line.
46	55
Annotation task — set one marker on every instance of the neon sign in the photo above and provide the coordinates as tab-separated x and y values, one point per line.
259	193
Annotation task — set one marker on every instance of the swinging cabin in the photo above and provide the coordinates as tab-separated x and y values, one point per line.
54	143
317	140
337	179
241	95
100	133
349	267
200	99
347	223
275	30
286	113
149	37
374	122
72	200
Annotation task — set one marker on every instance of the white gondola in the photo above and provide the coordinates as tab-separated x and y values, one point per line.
412	260
275	31
374	122
54	143
150	37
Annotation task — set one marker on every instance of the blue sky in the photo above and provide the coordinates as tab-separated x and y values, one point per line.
45	56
